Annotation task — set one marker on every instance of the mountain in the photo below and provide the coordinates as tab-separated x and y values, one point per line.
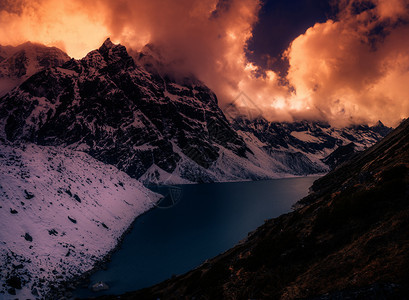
119	113
156	127
348	239
306	147
20	62
5	51
61	211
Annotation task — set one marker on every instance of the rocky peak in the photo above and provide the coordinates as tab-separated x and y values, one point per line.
109	54
29	58
381	128
114	53
106	45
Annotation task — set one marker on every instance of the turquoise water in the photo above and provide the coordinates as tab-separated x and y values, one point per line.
205	220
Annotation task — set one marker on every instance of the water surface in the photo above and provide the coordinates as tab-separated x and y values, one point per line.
207	220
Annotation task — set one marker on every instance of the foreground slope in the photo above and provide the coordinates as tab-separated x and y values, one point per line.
348	238
61	211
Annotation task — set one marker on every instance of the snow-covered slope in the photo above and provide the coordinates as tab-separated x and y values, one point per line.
60	212
20	62
227	168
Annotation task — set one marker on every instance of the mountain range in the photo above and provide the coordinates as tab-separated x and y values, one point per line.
108	123
157	128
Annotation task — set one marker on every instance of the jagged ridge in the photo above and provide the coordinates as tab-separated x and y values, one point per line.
159	128
115	110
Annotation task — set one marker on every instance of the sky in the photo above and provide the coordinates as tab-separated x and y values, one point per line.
279	23
341	61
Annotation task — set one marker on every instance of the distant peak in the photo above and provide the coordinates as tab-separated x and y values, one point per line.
113	52
108	43
379	124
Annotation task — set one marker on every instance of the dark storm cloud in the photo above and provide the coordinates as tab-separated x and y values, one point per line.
280	22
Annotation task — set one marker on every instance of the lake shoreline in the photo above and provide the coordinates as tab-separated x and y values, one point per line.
83	281
65	289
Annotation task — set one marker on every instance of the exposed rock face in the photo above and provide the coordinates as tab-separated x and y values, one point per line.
340	155
349	238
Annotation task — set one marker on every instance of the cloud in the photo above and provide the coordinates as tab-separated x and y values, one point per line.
352	69
64	24
207	38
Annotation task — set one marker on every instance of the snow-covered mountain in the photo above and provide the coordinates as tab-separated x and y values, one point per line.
305	146
148	125
20	62
161	128
60	212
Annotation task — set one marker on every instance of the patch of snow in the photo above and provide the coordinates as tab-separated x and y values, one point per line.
156	175
305	136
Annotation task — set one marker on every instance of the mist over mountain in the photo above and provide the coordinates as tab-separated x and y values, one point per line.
20	62
158	126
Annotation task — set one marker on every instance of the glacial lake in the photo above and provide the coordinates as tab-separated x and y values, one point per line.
205	220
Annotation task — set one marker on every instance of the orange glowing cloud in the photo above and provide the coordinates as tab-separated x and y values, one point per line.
349	70
63	24
206	38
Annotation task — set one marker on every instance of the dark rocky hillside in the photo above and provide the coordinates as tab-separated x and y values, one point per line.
340	155
349	239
